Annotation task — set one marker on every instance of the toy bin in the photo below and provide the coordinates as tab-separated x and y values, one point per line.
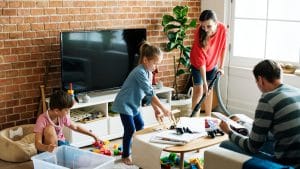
67	157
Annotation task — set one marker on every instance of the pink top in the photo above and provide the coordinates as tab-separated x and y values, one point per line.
44	120
210	56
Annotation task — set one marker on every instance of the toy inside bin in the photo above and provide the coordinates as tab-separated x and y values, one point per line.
67	157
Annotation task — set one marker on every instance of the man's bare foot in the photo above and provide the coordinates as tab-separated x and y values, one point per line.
127	161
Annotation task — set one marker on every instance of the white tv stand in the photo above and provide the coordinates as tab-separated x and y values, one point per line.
110	127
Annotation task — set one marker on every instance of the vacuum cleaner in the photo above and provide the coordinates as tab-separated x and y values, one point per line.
214	81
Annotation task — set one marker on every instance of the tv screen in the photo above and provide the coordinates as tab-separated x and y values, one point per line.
99	60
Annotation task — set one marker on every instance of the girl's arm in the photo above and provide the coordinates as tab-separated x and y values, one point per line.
159	108
82	130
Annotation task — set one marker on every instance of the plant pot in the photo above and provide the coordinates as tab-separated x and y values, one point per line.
184	104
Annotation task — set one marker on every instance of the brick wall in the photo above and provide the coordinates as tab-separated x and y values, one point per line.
29	39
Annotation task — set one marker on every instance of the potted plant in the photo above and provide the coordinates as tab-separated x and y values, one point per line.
175	28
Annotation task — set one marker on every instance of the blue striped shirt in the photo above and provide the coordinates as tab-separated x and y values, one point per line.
135	88
278	113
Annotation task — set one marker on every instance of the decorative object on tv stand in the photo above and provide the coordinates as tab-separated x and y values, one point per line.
175	28
86	98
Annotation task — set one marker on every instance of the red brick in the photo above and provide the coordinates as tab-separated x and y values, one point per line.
29	4
24	57
37	26
19	50
27	87
2	119
51	26
19	80
25	72
31	107
55	4
20	109
26	42
43	4
5	51
10	58
4	20
10	43
10	28
13	117
15	35
2	75
27	115
30	19
55	18
38	11
67	4
43	19
23	27
23	12
16	20
7	125
40	34
50	11
30	64
29	34
26	101
32	78
9	12
12	88
12	103
2	104
3	4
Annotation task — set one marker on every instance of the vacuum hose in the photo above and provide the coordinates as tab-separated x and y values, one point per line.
220	101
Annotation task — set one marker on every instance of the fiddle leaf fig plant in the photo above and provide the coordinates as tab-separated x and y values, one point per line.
175	26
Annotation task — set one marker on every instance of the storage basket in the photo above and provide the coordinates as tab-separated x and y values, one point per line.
67	157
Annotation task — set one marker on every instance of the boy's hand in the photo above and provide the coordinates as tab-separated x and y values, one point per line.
51	147
224	127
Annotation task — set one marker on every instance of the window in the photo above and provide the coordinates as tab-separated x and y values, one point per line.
265	29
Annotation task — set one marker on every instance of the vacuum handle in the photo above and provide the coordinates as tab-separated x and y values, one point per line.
211	84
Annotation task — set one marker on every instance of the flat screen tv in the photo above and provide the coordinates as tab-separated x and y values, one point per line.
99	60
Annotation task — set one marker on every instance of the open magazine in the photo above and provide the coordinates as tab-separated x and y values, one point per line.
239	123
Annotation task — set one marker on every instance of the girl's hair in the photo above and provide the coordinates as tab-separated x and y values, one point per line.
268	69
149	51
204	16
61	100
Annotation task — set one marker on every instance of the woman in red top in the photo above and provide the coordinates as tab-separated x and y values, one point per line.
207	56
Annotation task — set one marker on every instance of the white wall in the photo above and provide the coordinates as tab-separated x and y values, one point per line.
219	6
242	92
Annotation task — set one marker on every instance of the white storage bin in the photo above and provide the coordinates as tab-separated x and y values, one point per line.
67	157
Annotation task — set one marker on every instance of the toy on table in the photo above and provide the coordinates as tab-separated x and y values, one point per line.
212	128
102	147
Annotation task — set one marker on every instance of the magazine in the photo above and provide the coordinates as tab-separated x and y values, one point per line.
239	123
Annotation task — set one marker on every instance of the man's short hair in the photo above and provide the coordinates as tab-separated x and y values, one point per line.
268	69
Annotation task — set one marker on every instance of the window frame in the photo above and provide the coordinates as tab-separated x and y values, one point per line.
243	61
